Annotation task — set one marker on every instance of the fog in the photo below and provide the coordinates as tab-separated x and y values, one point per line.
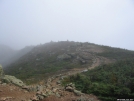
31	22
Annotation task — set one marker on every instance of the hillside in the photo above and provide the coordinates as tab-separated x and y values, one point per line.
8	55
63	57
5	53
109	82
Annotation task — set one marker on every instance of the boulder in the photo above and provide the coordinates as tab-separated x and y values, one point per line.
71	85
59	82
68	88
57	94
63	57
78	93
39	88
13	80
40	97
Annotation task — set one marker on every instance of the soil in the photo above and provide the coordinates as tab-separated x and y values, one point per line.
9	92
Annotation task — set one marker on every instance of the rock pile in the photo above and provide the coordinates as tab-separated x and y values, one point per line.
43	91
49	90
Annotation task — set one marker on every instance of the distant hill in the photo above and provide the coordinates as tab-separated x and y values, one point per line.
9	55
59	57
5	53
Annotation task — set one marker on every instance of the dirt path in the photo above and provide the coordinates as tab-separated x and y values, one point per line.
96	62
12	93
69	96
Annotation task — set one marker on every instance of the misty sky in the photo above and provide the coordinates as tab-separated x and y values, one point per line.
31	22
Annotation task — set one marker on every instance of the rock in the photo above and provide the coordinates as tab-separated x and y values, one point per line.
1	72
32	89
57	94
81	60
62	77
71	85
6	98
54	90
13	80
34	98
9	79
49	92
68	88
45	95
49	80
52	78
48	86
25	87
25	91
85	70
63	57
59	82
39	88
78	93
2	98
40	97
38	93
58	76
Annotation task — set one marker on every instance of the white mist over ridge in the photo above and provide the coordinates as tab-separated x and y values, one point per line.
107	22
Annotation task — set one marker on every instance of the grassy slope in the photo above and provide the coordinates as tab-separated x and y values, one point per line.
109	82
42	60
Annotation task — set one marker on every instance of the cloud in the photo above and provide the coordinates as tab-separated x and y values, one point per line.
108	22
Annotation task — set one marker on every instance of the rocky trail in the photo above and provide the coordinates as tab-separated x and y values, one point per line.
50	90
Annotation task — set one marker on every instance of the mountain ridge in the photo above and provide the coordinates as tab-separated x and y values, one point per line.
55	57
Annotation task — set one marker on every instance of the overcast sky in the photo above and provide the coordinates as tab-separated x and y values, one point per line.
31	22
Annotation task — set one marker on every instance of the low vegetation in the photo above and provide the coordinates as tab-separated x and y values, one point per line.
43	60
116	53
109	82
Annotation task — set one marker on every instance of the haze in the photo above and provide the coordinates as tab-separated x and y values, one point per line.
31	22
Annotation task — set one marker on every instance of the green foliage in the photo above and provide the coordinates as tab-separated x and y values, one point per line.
116	53
41	62
108	82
